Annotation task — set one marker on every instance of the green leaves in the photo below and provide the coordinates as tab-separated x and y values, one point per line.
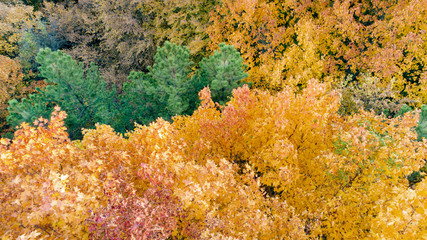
223	71
81	93
169	89
422	124
28	110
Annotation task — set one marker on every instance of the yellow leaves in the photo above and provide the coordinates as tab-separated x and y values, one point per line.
287	43
403	216
252	27
40	178
264	166
206	195
32	235
302	61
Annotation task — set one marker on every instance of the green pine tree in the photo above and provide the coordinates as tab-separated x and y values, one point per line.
170	73
81	93
167	90
223	71
170	88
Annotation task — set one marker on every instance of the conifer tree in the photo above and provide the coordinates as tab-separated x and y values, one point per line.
223	72
170	73
170	88
163	91
81	93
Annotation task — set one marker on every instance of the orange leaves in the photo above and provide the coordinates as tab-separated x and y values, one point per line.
253	28
278	136
150	216
45	184
328	168
264	166
402	217
287	43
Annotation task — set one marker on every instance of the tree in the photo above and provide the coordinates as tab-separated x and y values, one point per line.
331	170
81	92
367	94
13	20
165	90
37	189
253	28
170	88
40	35
288	43
12	86
121	36
223	71
10	82
181	22
109	33
264	166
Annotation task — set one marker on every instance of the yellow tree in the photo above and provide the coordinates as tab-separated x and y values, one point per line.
181	22
333	171
290	42
264	166
13	20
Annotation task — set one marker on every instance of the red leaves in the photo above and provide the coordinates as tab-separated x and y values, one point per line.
150	216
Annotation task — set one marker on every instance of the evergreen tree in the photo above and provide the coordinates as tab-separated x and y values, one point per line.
223	71
170	73
82	94
170	88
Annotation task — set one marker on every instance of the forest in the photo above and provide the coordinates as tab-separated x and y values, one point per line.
213	119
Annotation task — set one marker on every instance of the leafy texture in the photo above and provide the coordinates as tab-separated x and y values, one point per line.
109	33
14	18
367	94
10	82
181	22
81	92
327	168
282	166
290	42
169	89
12	86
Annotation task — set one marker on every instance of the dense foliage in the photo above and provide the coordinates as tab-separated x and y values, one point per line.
169	89
263	166
290	42
213	119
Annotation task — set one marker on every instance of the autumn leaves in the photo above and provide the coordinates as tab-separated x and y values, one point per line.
287	157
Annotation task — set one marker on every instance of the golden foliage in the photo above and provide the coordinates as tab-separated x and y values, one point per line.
287	43
10	85
13	20
329	169
282	166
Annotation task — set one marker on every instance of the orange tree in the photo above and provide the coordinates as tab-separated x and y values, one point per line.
335	172
290	42
263	166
